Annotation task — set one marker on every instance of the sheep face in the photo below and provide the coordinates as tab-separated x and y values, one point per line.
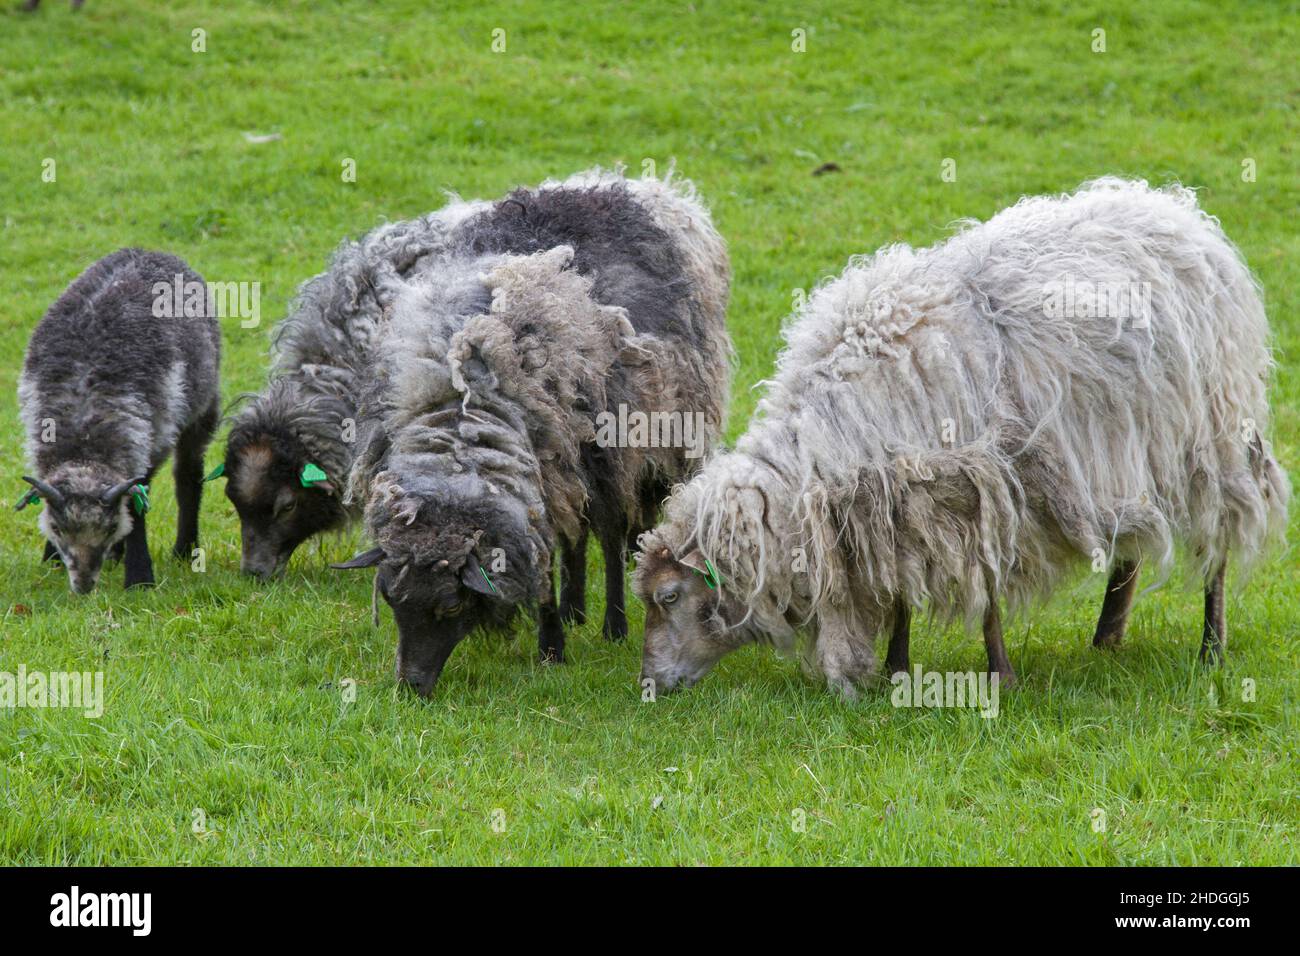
279	504
686	621
434	610
430	573
85	515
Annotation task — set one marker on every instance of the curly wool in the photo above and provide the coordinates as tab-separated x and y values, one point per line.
322	348
934	433
492	367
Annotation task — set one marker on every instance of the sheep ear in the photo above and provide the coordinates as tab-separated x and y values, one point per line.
694	561
313	476
475	578
366	559
702	566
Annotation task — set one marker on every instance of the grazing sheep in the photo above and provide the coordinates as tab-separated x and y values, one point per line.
488	442
115	380
290	448
1081	376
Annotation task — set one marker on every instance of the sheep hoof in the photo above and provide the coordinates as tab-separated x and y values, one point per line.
551	655
1006	679
142	583
615	630
1109	638
843	688
1211	655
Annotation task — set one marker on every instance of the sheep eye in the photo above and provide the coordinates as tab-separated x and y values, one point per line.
669	598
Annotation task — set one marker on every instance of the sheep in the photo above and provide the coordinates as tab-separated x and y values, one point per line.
490	440
120	373
290	448
958	423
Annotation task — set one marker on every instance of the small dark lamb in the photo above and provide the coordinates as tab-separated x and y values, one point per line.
120	373
290	448
495	434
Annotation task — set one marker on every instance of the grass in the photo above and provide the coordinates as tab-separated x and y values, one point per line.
226	737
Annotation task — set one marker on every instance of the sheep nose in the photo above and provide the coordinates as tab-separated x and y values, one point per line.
658	684
419	681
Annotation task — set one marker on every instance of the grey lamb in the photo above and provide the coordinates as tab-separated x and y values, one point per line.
1081	377
487	439
120	373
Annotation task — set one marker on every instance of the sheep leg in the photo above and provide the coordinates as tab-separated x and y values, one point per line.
612	542
999	663
188	472
139	566
847	662
550	629
1215	633
573	582
1115	607
897	658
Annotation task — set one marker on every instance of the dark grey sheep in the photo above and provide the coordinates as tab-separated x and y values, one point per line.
547	314
116	378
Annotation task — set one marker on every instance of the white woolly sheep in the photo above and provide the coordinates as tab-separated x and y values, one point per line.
1082	376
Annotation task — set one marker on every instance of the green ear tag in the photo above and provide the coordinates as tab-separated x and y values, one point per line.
711	577
487	579
312	473
140	495
216	472
28	499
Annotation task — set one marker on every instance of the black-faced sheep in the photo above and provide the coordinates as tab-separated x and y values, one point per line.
120	373
1081	376
492	436
290	448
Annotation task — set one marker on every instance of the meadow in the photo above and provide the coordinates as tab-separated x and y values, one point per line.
261	724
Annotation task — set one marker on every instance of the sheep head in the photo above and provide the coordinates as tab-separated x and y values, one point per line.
688	615
85	515
282	494
446	569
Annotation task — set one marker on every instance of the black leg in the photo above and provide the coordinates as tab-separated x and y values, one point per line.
51	553
999	663
188	470
573	582
1214	635
897	658
1115	606
139	566
550	630
612	543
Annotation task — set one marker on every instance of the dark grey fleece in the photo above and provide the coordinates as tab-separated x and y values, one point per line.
109	381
